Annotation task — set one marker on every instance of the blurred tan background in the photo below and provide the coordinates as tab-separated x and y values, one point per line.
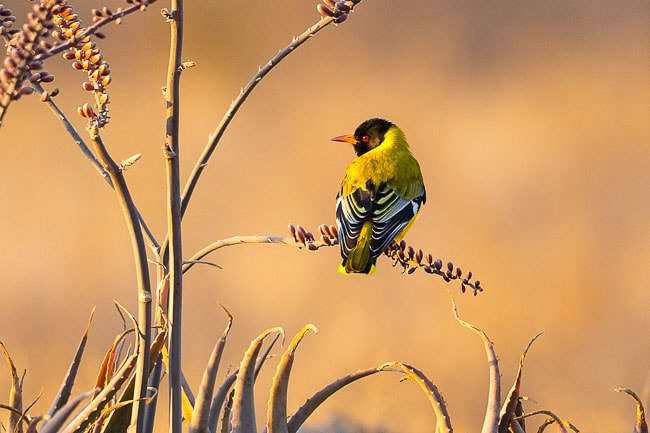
531	122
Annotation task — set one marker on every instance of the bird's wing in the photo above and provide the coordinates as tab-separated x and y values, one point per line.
392	210
351	212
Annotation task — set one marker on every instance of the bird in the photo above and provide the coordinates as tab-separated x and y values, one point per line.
381	194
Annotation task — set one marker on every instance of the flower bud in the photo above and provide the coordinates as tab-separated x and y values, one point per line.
411	252
88	46
87	111
95	76
343	7
341	18
324	10
300	235
10	63
36	65
25	90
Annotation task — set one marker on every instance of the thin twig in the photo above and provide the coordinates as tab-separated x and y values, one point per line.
175	264
142	271
240	240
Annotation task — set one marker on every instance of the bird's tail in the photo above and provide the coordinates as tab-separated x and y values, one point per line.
359	260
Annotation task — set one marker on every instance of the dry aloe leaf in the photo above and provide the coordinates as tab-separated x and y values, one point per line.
55	423
120	418
217	406
443	421
217	402
491	421
15	395
553	419
304	411
201	414
641	425
243	411
508	410
68	382
519	426
90	413
32	427
25	418
277	410
109	362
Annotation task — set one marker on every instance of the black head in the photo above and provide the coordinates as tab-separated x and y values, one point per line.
367	136
370	134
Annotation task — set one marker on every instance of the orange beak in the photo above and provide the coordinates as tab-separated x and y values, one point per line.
347	138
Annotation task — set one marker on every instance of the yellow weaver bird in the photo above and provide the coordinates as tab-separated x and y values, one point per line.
381	194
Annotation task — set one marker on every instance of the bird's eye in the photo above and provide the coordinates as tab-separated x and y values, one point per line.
365	139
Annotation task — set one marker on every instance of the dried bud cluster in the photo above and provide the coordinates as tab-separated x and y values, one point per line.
86	56
338	10
24	47
303	236
403	254
6	17
410	259
328	234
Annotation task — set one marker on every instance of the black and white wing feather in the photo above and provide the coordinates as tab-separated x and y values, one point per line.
389	211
